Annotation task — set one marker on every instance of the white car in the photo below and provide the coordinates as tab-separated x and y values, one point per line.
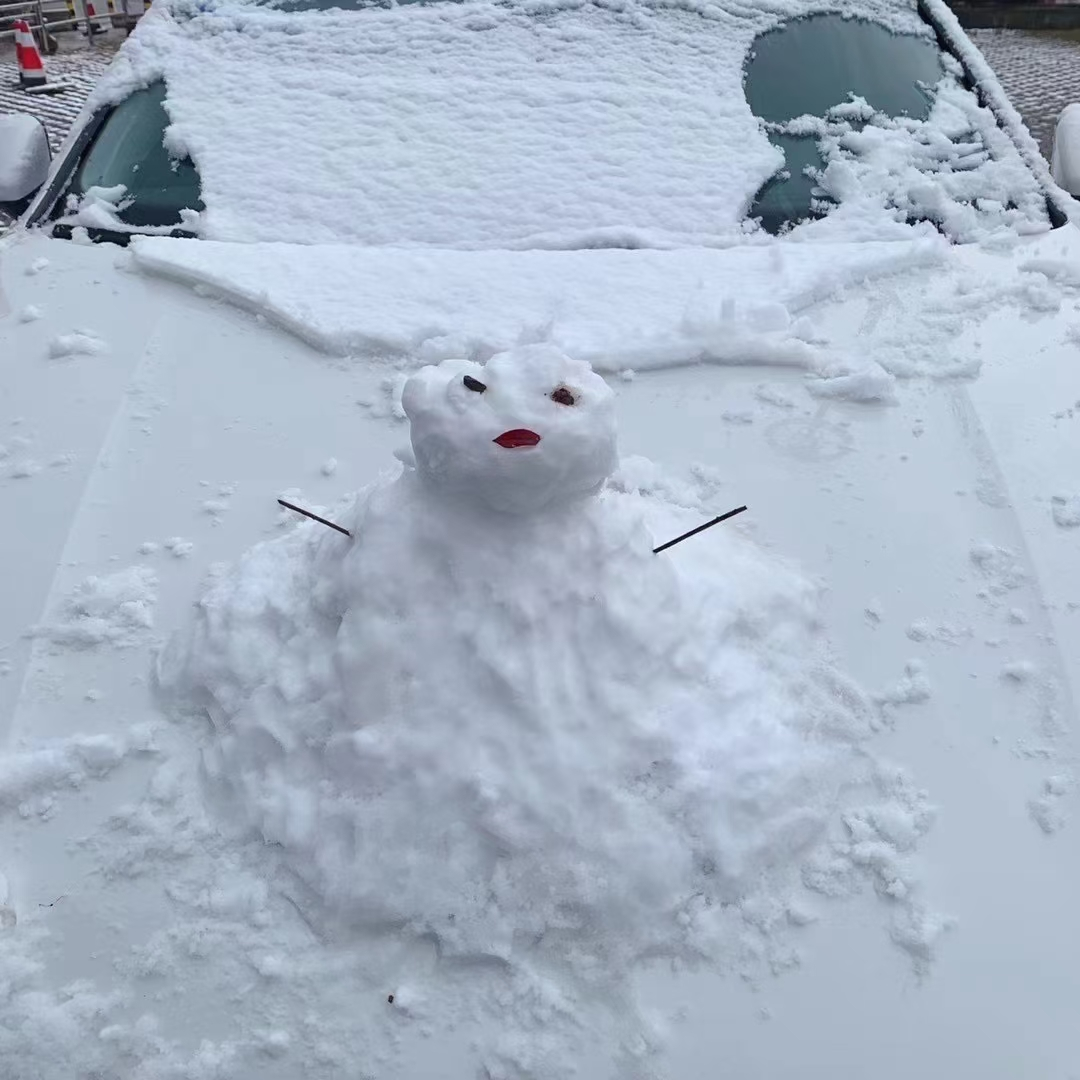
817	256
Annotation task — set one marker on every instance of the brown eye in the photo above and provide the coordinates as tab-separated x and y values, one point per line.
562	396
474	384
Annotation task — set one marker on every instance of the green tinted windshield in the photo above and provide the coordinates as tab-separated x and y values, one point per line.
811	65
129	149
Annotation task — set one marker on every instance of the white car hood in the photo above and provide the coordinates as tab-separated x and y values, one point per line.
930	520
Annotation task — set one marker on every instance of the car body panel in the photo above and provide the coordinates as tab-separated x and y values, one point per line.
885	503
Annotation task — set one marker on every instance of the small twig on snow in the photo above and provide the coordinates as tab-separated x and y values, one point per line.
314	517
700	528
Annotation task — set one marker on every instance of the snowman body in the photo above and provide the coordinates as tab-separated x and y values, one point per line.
492	710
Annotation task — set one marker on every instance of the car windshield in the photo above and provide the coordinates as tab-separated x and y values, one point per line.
438	124
127	179
866	115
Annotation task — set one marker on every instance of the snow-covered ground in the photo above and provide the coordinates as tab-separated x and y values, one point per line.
488	788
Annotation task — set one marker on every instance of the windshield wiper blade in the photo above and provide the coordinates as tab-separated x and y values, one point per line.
64	231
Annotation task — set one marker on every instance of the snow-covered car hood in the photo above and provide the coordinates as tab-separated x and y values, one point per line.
900	421
622	311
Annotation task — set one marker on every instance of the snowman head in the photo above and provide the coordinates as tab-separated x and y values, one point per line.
529	429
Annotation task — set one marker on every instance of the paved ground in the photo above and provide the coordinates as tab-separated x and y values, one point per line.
76	64
1039	69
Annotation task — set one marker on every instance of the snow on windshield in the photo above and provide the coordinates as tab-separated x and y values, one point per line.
556	124
956	168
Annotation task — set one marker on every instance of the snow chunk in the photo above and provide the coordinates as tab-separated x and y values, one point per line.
30	313
329	466
638	475
24	469
869	383
115	610
1066	510
8	917
999	566
877	841
98	208
77	343
37	266
946	633
215	509
66	763
912	689
773	395
1046	809
1019	671
179	547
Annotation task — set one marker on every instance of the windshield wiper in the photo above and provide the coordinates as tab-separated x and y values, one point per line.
64	231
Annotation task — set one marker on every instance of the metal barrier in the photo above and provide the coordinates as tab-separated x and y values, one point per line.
113	13
29	10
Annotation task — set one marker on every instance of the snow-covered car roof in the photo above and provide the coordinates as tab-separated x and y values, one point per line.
548	124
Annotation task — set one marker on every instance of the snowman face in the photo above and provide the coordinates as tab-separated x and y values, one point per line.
529	429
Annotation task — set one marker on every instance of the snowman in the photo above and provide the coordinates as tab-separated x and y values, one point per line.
491	711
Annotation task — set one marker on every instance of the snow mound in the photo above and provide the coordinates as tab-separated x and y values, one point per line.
513	730
77	343
117	609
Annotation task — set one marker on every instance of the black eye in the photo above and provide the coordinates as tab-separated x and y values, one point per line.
562	396
474	384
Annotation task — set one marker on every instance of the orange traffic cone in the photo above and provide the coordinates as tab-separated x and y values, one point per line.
31	66
95	23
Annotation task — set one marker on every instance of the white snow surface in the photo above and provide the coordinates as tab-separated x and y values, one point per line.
542	124
614	309
526	738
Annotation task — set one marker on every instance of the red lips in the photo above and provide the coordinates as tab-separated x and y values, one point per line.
516	438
